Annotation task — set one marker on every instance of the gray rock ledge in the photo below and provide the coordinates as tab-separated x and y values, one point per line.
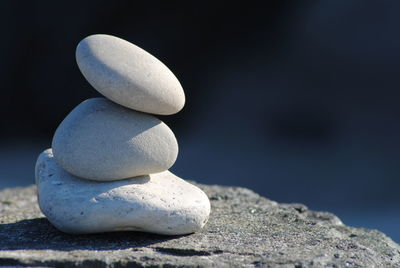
244	229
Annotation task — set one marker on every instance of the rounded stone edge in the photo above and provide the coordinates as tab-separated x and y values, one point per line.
47	167
70	119
172	109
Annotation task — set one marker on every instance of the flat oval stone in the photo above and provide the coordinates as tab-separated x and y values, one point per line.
128	75
158	203
101	140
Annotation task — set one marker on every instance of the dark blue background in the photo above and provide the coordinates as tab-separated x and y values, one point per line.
297	100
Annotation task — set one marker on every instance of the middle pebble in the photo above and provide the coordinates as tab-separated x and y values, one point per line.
100	140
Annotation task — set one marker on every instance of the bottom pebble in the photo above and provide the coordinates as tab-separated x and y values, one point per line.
159	203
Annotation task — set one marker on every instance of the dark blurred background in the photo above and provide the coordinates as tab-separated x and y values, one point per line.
297	100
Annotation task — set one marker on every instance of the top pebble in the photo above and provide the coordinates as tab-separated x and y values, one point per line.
128	75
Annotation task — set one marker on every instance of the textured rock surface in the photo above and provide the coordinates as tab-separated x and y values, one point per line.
128	75
101	140
158	203
244	230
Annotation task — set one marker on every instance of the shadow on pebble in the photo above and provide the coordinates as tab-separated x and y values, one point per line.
40	234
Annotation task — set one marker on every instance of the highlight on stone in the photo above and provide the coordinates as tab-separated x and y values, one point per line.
108	166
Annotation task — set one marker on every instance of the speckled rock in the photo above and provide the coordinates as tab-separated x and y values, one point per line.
244	230
100	140
128	75
158	203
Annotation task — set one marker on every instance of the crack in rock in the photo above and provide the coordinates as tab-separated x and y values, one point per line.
186	252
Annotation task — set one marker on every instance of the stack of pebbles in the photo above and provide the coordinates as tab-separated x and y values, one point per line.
108	166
